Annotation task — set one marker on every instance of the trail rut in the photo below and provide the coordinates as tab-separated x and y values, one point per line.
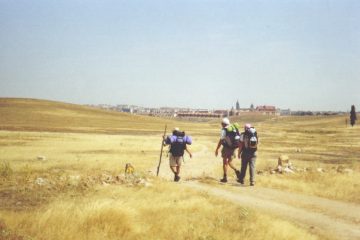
324	216
339	220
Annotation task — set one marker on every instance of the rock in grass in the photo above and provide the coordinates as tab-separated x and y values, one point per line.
283	159
288	170
40	181
41	158
348	171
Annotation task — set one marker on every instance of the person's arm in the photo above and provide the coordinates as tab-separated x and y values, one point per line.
240	149
188	151
218	147
166	140
222	137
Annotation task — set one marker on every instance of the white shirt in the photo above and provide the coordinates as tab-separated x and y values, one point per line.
223	133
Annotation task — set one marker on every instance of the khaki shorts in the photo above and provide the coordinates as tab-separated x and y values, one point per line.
227	154
175	161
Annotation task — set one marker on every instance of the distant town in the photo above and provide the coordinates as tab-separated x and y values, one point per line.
175	112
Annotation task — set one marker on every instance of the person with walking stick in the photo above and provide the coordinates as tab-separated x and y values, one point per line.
178	142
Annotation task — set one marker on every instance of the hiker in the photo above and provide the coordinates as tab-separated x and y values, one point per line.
229	136
247	152
178	142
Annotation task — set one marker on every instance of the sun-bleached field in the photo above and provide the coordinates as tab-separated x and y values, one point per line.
323	146
75	199
62	175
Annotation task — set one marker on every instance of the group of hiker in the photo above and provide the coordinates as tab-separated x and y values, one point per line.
231	139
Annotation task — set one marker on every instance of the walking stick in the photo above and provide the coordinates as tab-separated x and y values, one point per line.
161	151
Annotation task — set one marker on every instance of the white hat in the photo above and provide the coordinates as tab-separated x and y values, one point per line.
225	121
176	129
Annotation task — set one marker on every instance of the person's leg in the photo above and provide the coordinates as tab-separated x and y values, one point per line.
243	169
252	161
224	155
173	169
225	167
172	163
237	172
231	165
173	166
178	165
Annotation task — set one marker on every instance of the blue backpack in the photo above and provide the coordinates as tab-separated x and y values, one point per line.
178	143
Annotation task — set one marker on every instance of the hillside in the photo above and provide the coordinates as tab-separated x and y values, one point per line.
41	115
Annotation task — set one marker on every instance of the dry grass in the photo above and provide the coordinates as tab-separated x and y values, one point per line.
165	211
312	143
82	143
331	185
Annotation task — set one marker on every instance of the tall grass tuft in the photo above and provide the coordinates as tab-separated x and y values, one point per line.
5	169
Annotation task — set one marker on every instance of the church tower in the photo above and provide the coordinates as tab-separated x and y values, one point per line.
237	105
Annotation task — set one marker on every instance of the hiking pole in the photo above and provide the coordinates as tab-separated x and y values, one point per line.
161	151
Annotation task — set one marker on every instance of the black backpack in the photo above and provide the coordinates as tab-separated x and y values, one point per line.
177	148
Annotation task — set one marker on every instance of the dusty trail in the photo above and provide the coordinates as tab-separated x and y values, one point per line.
332	218
337	219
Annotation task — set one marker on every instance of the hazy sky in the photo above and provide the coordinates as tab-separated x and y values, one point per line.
298	54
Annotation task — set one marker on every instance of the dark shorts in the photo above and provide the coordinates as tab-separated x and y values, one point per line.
227	154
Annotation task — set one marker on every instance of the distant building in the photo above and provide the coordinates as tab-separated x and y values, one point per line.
222	113
285	112
267	110
198	115
127	110
202	111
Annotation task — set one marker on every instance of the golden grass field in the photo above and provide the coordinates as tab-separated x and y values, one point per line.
62	174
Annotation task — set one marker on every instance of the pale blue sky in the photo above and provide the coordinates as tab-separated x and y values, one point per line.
303	55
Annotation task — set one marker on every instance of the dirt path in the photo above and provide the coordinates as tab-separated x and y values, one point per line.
322	216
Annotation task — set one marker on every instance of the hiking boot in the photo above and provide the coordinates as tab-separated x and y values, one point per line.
223	180
177	178
237	172
252	184
240	181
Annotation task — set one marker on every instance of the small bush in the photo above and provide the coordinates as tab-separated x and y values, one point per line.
5	169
